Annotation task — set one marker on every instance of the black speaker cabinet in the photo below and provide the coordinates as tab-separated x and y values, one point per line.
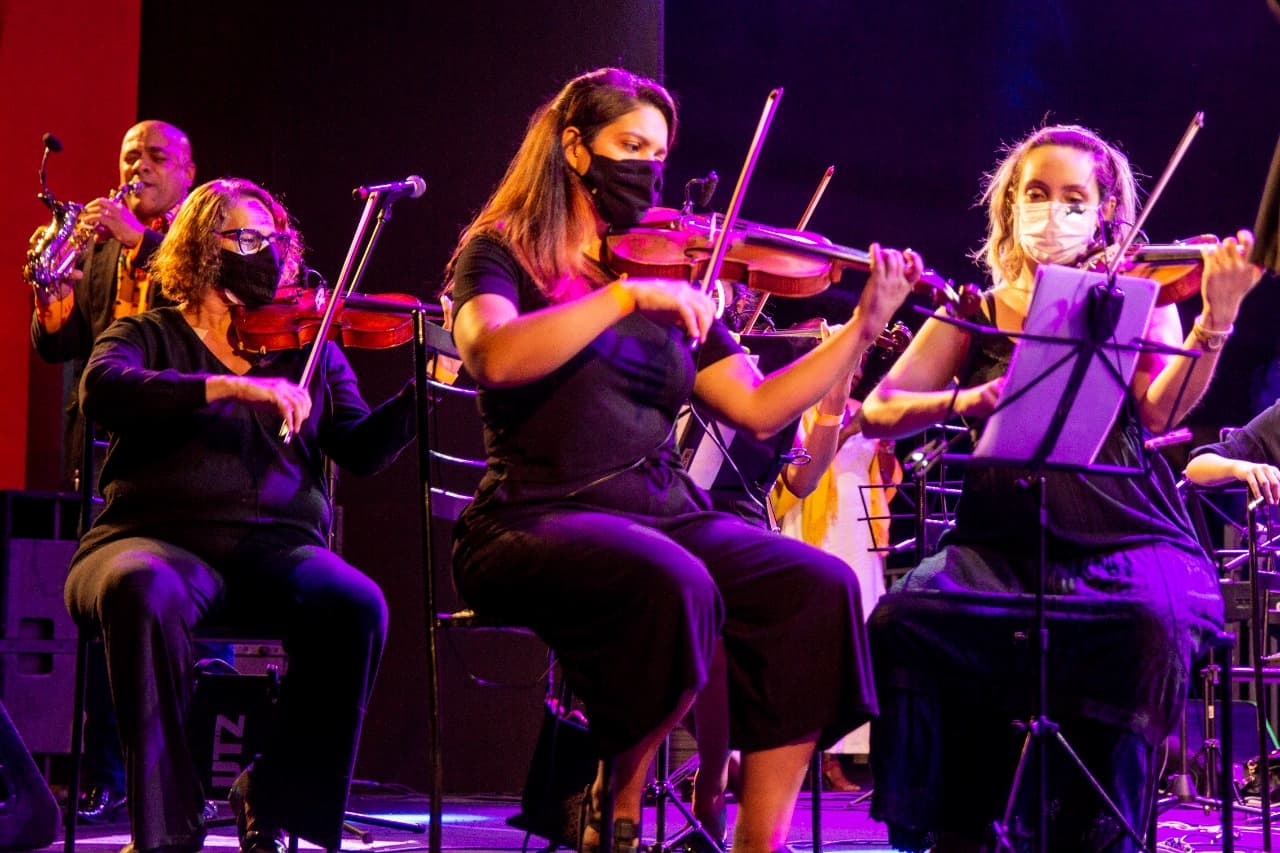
1244	732
28	811
37	636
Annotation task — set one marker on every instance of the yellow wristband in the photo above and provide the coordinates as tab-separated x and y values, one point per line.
626	302
829	420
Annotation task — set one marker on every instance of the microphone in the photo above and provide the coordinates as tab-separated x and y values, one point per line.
707	189
412	186
698	192
51	142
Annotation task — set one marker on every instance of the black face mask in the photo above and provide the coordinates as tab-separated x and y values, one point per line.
623	190
252	278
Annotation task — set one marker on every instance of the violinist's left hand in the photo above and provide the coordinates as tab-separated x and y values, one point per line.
1228	278
893	274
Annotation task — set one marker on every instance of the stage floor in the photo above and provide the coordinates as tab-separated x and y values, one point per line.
478	824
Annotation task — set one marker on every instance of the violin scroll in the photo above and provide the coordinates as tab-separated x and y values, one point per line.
960	301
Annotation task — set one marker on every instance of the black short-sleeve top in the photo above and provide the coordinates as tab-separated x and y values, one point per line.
1257	441
598	429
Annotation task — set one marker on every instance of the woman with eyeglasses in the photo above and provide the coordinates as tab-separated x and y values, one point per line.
951	671
209	516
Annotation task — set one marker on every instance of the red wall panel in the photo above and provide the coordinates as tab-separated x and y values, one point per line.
70	68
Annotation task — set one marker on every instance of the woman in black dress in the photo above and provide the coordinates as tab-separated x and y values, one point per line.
585	526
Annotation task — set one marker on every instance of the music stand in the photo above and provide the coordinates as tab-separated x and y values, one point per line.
1074	360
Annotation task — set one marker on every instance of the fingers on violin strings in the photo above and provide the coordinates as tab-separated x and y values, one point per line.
894	263
915	263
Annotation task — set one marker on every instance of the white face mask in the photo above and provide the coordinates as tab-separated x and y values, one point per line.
1053	232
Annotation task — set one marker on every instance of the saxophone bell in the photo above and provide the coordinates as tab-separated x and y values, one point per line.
54	249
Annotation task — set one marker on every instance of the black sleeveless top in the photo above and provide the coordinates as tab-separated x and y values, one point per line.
1087	513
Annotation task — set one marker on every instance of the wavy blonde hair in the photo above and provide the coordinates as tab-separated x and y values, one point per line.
536	210
1000	254
189	261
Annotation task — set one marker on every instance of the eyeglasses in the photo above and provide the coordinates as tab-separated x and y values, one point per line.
251	242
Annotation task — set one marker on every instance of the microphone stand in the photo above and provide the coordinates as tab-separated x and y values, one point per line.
348	280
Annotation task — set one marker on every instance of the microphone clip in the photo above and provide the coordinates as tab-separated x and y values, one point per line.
698	193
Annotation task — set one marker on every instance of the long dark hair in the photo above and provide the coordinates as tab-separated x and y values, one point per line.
536	209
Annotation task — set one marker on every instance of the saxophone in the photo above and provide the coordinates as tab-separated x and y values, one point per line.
56	248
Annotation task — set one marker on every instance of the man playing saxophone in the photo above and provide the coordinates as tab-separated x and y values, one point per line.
109	281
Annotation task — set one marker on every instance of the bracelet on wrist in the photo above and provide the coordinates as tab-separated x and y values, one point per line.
626	301
1212	339
829	420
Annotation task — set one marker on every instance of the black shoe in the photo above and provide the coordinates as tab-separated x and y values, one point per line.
256	835
626	834
100	804
696	842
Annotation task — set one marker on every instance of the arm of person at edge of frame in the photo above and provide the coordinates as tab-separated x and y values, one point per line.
1211	469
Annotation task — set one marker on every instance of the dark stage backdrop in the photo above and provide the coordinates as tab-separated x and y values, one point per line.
909	100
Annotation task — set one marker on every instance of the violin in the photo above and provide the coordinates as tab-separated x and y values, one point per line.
1176	267
780	261
293	319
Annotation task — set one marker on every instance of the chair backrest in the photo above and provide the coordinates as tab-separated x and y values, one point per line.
455	445
92	452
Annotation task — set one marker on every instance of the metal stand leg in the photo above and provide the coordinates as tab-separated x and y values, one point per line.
665	789
815	795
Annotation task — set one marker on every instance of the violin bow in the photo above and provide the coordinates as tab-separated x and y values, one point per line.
1197	122
739	190
345	287
804	223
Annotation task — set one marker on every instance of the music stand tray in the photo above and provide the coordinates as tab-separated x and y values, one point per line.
1051	349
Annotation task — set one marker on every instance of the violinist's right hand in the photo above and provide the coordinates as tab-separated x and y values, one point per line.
677	303
287	399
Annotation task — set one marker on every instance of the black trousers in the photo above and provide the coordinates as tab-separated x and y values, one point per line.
633	607
146	596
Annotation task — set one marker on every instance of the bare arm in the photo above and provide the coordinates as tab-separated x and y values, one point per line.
822	443
503	348
1210	469
914	394
736	392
